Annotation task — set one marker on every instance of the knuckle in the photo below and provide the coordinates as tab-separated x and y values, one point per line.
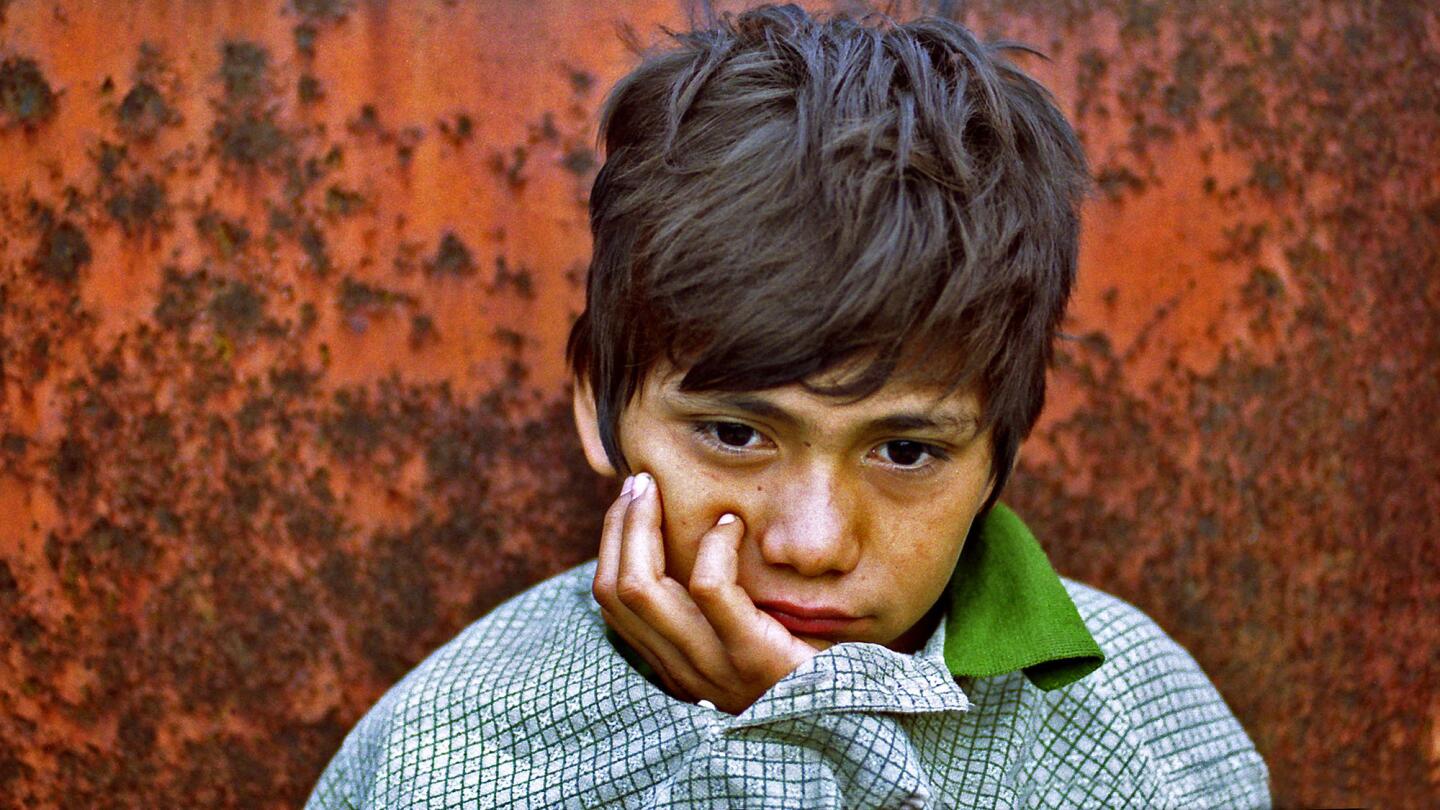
749	667
738	662
632	592
604	593
707	586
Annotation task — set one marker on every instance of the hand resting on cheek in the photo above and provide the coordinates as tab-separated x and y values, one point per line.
706	639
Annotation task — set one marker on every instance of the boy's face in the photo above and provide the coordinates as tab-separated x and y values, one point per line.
853	514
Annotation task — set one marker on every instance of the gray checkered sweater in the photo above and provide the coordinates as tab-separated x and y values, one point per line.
531	706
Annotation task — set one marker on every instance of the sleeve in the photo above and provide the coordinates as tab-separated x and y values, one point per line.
1173	718
349	780
335	788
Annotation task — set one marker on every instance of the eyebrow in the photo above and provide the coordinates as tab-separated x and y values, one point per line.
962	423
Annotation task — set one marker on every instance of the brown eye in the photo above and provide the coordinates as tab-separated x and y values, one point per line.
907	453
734	434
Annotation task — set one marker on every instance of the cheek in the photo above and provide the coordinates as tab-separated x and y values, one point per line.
923	560
682	534
690	512
919	560
691	503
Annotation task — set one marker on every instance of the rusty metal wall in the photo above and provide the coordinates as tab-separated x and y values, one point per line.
283	293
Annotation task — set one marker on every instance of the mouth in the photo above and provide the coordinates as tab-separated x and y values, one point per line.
801	620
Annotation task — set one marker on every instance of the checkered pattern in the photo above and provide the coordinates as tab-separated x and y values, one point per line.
531	706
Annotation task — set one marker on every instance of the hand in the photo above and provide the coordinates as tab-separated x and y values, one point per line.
706	641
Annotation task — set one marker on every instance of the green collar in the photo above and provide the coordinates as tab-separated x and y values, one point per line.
1009	610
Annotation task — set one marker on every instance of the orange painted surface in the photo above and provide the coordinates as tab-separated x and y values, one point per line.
284	288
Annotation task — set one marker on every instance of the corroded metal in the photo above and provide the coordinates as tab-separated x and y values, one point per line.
283	294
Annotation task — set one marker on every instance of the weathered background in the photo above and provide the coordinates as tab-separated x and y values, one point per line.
285	286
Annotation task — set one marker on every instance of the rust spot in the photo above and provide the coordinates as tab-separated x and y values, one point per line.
322	10
309	89
341	202
422	331
142	102
511	168
243	70
144	111
458	130
237	310
305	34
26	98
512	341
406	142
63	249
139	207
246	130
452	258
545	131
108	159
581	81
248	139
13	444
1115	181
312	242
520	279
367	122
225	236
179	301
359	302
579	160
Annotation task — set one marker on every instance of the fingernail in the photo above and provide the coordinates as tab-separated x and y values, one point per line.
642	484
726	519
629	484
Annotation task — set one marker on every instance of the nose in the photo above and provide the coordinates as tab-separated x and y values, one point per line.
814	526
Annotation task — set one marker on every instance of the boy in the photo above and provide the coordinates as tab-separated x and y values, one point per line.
829	261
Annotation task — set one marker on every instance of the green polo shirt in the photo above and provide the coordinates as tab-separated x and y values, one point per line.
1008	611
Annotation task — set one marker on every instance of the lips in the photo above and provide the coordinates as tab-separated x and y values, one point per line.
804	620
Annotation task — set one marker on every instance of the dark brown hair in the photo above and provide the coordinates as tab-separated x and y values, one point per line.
784	194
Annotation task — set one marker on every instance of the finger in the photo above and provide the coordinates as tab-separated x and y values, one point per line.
672	666
636	633
608	562
715	586
643	638
654	598
642	550
660	655
754	640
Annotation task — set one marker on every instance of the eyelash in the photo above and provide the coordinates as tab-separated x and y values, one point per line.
705	430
